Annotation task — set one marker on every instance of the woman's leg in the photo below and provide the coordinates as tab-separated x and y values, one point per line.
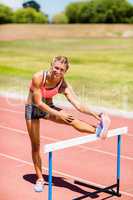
33	127
82	126
77	124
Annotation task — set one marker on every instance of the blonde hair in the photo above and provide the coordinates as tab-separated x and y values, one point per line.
61	59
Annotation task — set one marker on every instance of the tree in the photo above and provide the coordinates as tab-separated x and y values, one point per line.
32	4
60	18
6	14
72	12
100	11
87	13
29	15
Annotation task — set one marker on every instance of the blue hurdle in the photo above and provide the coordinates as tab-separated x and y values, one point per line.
49	148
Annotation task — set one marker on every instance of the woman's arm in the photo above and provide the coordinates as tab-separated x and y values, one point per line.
37	96
70	95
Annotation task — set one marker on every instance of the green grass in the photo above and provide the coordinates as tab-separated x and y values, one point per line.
101	70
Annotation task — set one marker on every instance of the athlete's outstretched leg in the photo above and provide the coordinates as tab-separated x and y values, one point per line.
76	123
85	127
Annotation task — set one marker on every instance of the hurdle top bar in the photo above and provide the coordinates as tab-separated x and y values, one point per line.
82	140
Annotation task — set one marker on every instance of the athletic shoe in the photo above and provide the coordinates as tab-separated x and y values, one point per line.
102	128
39	186
99	129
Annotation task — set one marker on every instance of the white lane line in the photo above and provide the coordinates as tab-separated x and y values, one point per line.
20	165
9	110
107	153
26	133
21	112
61	173
80	146
130	135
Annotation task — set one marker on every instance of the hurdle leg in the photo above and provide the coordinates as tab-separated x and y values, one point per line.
50	177
118	164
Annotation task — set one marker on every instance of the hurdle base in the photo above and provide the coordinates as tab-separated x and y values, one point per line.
113	190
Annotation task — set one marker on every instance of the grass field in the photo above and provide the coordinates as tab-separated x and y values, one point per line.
101	69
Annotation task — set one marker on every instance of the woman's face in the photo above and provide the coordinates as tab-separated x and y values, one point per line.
58	70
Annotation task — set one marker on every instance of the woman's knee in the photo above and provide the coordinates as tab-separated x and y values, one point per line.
75	122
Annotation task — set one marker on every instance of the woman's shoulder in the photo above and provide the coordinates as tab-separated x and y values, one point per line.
38	74
37	78
63	86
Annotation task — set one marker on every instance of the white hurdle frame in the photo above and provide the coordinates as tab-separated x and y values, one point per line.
49	148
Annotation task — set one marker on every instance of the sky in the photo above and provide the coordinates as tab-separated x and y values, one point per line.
50	7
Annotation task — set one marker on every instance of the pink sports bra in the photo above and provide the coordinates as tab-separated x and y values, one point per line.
47	93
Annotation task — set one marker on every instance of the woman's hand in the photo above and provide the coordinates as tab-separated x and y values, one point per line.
66	117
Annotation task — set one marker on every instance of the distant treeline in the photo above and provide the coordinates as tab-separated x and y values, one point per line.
100	11
92	11
22	15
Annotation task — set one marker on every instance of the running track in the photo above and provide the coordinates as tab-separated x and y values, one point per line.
94	163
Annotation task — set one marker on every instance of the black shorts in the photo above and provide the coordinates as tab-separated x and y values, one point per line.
33	112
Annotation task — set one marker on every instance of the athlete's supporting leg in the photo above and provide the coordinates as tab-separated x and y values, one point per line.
33	127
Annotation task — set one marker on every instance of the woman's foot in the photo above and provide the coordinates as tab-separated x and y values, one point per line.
103	126
39	186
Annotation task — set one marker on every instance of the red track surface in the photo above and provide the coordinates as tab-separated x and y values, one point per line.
94	162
